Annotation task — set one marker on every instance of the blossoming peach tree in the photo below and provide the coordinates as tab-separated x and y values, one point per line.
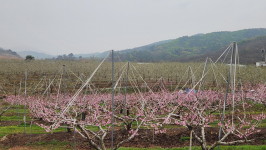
90	111
195	110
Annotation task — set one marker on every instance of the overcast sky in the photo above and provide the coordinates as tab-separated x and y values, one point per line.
86	26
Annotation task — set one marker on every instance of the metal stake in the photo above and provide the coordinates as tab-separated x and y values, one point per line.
113	107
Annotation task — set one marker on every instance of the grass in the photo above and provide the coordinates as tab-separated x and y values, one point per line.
263	124
17	110
34	129
184	138
14	118
15	113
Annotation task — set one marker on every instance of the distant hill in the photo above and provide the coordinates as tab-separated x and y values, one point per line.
37	55
8	54
187	48
249	51
97	55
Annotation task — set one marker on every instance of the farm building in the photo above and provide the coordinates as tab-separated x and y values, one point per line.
263	62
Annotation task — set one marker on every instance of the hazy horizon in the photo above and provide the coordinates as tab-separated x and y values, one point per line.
89	26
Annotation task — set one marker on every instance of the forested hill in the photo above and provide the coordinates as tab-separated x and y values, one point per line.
8	54
187	48
249	52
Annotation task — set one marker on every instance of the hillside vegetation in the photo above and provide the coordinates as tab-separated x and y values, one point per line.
191	48
249	51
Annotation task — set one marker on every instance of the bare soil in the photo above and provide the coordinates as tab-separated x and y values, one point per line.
172	138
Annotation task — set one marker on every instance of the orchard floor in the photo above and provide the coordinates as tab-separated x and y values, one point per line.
178	137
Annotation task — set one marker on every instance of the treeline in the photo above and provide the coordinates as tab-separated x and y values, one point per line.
70	56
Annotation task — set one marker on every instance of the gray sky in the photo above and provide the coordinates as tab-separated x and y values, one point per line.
85	26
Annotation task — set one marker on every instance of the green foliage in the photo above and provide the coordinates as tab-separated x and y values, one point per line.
187	47
29	58
184	138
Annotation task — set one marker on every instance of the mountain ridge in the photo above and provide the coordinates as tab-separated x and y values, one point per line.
8	54
183	48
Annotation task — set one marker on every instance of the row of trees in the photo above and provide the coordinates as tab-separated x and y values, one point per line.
59	57
67	57
195	111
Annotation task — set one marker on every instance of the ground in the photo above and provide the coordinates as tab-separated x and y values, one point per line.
178	137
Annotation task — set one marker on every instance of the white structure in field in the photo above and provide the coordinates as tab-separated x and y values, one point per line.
263	62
